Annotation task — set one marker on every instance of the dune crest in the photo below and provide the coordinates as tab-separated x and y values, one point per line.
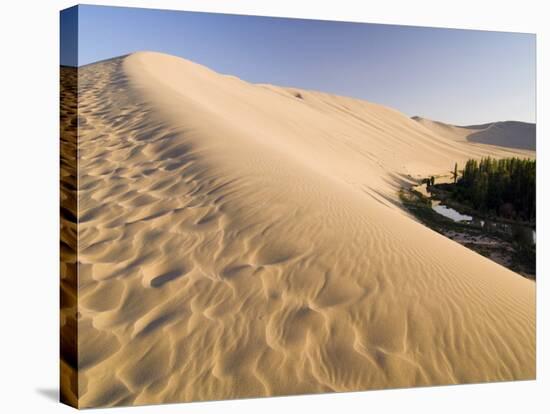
240	240
511	134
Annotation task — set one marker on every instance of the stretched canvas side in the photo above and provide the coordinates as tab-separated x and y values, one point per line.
68	182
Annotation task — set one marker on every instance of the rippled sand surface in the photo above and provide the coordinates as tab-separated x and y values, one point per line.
240	240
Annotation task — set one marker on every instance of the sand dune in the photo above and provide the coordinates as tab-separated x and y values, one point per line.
241	240
513	134
68	235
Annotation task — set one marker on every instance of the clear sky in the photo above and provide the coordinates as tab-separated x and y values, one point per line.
459	76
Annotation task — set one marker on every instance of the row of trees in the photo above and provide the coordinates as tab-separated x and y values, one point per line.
503	187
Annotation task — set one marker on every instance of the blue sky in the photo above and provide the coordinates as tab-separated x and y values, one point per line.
458	76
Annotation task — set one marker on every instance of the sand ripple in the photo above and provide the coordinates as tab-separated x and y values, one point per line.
235	241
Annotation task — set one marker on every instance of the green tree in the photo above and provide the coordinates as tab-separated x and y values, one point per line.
503	187
455	173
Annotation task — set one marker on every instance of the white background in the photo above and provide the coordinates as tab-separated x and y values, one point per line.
29	196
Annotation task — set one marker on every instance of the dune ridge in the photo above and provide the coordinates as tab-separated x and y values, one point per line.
238	240
512	134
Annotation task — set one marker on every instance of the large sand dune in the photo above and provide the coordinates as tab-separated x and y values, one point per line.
513	134
242	240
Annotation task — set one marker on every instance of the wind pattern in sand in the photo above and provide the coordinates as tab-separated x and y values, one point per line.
240	240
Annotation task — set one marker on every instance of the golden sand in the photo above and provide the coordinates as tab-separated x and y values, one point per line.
241	240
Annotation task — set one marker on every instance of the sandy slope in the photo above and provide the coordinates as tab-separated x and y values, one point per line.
68	235
237	240
512	134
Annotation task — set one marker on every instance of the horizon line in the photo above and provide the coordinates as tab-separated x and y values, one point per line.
304	89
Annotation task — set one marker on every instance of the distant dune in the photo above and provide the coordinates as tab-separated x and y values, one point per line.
240	240
513	134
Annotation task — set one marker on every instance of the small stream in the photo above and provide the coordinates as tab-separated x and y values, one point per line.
487	225
450	212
